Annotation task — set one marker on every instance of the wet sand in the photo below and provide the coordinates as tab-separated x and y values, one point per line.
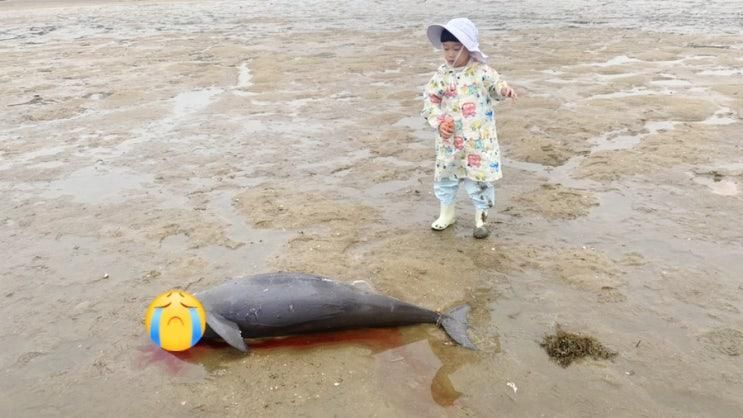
172	144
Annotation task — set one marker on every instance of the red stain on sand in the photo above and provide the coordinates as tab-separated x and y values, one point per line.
175	363
151	354
377	339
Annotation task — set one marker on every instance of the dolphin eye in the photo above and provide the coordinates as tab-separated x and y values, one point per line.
164	306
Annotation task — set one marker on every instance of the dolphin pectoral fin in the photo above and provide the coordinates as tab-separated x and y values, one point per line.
228	330
455	324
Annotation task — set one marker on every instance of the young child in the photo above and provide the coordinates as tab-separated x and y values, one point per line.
458	104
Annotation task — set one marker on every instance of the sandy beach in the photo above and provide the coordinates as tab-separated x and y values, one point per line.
150	145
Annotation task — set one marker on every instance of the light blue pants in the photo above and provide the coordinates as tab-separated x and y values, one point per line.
482	193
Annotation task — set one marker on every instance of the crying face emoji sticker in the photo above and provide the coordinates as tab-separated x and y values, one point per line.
175	320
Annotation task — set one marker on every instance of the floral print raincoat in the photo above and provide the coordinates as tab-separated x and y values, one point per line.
466	95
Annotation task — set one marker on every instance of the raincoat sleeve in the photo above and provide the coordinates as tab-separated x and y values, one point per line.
493	83
432	95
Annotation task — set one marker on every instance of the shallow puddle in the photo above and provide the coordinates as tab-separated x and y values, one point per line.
97	184
722	187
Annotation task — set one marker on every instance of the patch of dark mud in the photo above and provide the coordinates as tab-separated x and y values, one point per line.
566	347
727	341
555	202
278	207
609	294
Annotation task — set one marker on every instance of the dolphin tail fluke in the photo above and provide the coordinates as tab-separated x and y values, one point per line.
455	324
228	330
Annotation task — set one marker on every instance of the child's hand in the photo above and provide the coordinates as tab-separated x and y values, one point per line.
509	92
446	128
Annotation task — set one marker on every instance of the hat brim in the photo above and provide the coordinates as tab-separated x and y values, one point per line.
434	35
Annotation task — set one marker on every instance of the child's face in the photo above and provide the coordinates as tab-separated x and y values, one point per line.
455	54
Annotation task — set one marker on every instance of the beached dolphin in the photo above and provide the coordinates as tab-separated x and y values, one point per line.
278	304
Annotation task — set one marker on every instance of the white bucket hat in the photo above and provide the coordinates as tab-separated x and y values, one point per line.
465	31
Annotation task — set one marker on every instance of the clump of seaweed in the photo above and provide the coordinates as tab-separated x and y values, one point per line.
566	347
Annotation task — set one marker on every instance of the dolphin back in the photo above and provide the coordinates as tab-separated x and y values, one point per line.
276	304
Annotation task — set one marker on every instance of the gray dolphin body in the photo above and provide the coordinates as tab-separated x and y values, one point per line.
277	304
